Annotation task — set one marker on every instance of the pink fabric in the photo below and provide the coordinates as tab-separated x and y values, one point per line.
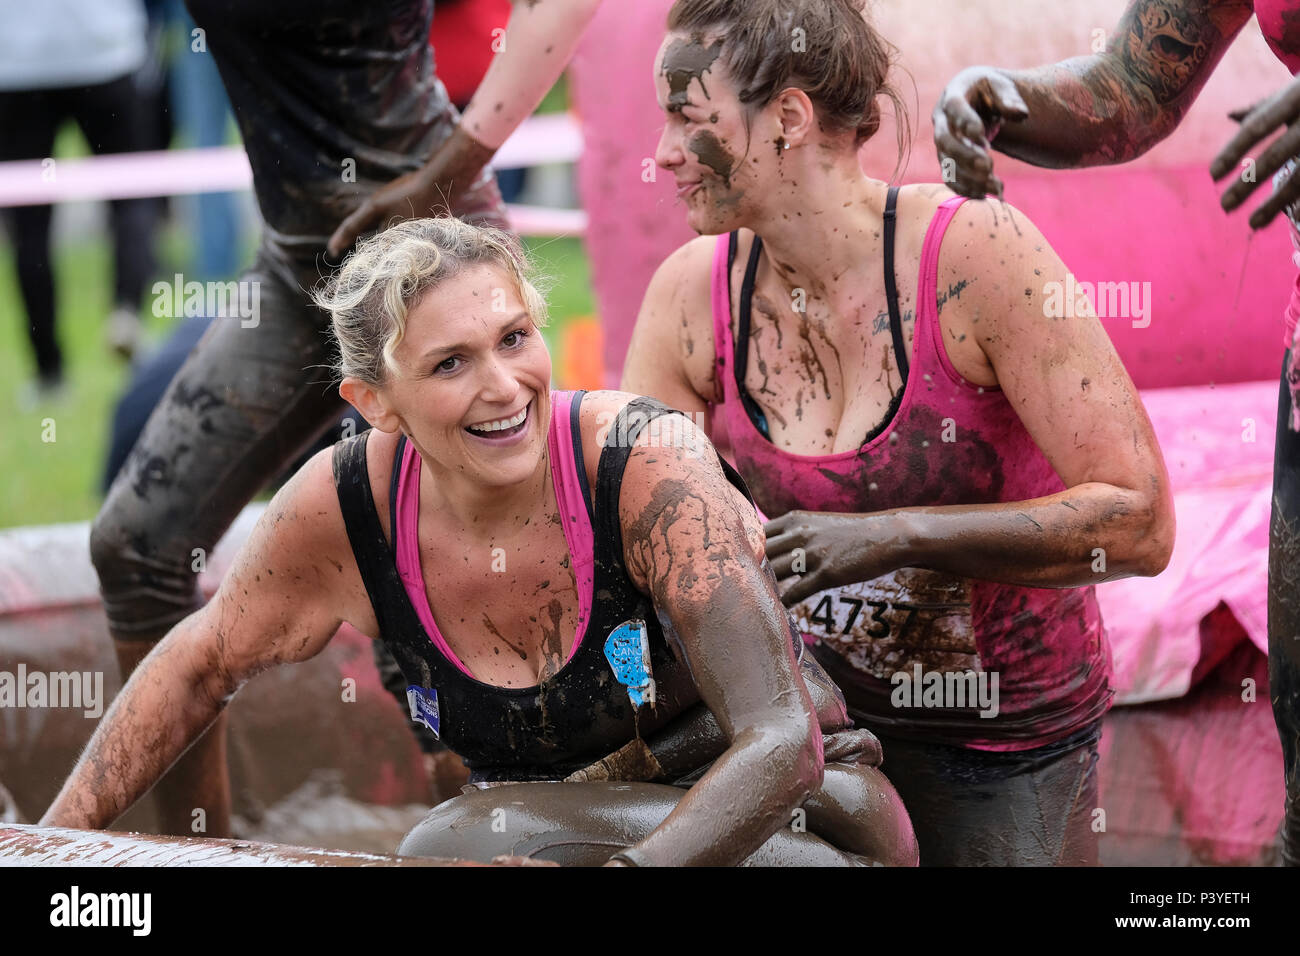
1048	645
1279	21
578	533
1166	631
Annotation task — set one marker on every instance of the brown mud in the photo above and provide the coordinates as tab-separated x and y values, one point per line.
22	845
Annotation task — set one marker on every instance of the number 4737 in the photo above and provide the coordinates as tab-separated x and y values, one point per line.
824	614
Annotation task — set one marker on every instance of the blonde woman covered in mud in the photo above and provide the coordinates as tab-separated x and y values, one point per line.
573	585
948	469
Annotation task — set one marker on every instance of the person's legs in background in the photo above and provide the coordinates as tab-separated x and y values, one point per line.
977	808
202	114
1284	612
111	116
30	119
243	405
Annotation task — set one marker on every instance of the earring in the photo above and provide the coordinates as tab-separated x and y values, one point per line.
786	146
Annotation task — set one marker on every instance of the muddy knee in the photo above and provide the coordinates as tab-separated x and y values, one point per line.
146	578
574	824
858	810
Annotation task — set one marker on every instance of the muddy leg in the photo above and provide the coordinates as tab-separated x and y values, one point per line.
1284	615
971	808
858	810
578	824
246	402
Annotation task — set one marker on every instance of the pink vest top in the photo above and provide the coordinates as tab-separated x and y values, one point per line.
573	512
886	641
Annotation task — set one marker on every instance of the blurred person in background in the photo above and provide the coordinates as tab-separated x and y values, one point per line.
79	60
201	116
463	41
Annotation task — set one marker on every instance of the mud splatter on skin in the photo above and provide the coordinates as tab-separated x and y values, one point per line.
954	291
688	59
492	629
552	641
812	363
198	399
712	152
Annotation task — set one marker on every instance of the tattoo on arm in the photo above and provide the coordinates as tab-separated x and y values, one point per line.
1112	107
1168	47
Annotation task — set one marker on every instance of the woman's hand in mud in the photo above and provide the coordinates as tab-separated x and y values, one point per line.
431	190
810	551
970	111
1257	123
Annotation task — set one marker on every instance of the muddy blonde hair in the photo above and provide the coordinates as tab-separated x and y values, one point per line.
370	297
841	62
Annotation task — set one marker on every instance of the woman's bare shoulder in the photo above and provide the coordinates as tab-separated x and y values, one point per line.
307	533
599	427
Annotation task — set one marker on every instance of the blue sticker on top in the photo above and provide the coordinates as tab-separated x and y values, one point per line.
628	651
423	702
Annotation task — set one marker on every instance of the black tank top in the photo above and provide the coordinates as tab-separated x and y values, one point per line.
581	713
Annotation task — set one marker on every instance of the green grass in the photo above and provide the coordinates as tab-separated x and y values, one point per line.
54	481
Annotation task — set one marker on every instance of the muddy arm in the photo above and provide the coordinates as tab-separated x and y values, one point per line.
536	47
1091	110
694	545
278	603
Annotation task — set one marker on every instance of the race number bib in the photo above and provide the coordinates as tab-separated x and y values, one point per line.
910	616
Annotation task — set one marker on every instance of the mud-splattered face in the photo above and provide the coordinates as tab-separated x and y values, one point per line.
474	388
706	143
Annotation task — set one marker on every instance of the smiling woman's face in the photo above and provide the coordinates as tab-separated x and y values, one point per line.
720	164
474	386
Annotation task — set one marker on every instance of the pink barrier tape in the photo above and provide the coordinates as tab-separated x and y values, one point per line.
541	139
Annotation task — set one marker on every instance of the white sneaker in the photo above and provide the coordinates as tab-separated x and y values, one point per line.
123	331
42	393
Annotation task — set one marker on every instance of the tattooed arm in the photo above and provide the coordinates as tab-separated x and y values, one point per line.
284	597
1092	110
694	544
1063	377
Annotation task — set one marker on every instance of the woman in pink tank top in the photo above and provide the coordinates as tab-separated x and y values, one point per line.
951	457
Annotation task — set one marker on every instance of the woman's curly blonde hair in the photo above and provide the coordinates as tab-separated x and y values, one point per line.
370	296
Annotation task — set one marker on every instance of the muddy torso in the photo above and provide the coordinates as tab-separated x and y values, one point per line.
825	377
563	718
508	607
855	439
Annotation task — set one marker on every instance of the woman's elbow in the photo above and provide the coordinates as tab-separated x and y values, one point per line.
792	754
1153	537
